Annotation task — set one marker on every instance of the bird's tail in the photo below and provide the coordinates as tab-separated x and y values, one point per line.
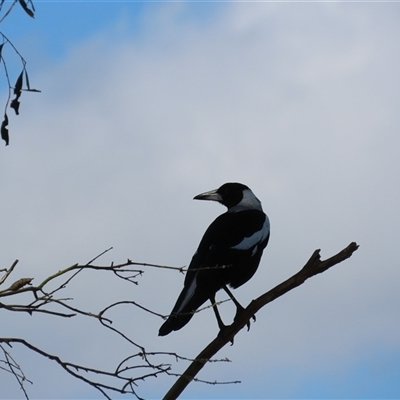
184	309
174	323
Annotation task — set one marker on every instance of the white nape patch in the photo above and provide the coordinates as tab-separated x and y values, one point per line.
249	202
189	294
253	240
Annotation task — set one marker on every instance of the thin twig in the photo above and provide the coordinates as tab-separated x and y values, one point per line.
8	272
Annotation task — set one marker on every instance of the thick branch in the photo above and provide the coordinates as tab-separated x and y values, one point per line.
313	267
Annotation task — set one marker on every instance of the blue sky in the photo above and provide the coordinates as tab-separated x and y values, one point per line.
145	105
60	25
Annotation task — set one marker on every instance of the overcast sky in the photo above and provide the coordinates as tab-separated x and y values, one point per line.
145	105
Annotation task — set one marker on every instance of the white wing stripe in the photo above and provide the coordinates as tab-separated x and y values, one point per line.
255	238
189	294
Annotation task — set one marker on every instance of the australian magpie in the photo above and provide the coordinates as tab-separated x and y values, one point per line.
228	254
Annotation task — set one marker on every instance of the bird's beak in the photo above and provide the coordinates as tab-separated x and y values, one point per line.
211	195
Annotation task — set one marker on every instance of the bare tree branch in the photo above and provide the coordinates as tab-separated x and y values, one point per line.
47	294
83	373
13	367
313	267
141	363
8	272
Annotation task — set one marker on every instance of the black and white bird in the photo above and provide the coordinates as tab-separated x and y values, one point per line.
228	254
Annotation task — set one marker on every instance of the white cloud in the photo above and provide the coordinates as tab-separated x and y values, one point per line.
299	101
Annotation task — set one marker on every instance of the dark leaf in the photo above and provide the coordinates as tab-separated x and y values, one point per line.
18	84
1	48
17	91
27	80
26	9
15	105
4	129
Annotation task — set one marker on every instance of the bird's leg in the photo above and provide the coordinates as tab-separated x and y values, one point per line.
221	325
239	307
237	304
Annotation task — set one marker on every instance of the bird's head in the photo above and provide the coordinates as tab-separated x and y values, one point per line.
235	196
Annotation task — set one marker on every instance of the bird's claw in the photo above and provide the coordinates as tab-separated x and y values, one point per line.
248	322
225	330
239	312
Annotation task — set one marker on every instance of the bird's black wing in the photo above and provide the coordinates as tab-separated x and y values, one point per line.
230	236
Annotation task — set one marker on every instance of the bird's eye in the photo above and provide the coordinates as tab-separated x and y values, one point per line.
225	191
